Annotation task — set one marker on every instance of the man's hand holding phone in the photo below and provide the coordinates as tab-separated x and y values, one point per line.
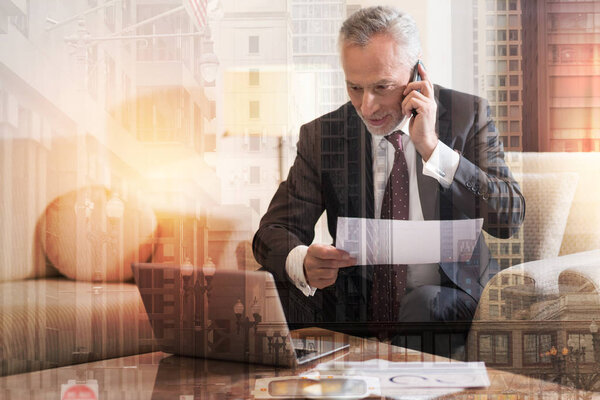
322	263
419	98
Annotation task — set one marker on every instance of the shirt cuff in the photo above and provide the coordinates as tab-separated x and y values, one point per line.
294	266
442	164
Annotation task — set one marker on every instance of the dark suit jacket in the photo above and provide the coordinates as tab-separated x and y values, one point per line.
333	172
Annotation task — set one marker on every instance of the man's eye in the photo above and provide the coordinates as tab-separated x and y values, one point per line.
355	88
382	88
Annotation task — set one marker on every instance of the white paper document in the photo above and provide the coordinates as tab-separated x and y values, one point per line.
446	374
385	241
411	380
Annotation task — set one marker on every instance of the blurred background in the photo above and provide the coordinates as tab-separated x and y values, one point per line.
193	107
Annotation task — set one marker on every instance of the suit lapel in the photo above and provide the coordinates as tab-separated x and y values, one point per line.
360	168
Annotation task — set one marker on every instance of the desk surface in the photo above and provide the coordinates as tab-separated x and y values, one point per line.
162	376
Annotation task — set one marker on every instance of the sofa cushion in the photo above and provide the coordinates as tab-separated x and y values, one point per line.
582	232
48	323
548	199
84	244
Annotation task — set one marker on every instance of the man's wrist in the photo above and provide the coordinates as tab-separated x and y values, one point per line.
294	267
442	164
427	148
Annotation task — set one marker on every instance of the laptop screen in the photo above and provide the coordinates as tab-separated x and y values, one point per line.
231	315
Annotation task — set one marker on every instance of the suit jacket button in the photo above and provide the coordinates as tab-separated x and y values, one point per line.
485	196
469	184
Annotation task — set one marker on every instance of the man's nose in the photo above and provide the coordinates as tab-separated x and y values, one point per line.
368	106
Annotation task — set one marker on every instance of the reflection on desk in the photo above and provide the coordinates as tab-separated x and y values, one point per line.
162	376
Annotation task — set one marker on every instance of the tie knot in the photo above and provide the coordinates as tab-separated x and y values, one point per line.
395	138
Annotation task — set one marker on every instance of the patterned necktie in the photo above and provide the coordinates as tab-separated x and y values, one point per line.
389	281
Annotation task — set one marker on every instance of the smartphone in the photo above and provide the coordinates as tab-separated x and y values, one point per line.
415	77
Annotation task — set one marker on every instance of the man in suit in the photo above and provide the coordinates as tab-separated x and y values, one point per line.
438	146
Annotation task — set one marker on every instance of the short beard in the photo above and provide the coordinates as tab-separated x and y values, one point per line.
379	131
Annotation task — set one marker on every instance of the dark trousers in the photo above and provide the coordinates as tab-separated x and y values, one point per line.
434	319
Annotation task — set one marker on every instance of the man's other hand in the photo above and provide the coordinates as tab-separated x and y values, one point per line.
322	263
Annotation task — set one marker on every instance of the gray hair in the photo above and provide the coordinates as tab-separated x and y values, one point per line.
360	27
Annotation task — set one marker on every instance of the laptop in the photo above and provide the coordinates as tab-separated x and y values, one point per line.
225	315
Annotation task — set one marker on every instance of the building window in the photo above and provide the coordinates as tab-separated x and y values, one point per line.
514	80
514	50
253	77
254	175
405	342
502	95
110	17
21	21
494	311
502	67
515	127
502	126
254	109
493	294
253	45
578	341
494	348
515	142
514	95
513	35
254	140
255	205
512	5
445	342
501	5
501	35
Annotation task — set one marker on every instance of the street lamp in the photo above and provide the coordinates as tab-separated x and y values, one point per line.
110	211
208	269
115	207
209	66
245	322
276	341
187	270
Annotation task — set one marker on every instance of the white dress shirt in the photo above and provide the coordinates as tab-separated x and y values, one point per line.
442	166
